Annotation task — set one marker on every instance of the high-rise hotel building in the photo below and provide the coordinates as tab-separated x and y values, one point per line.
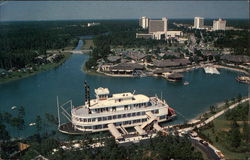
198	22
143	22
219	24
158	25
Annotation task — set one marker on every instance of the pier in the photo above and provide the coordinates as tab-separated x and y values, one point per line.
211	70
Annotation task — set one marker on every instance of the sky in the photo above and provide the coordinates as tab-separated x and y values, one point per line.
73	10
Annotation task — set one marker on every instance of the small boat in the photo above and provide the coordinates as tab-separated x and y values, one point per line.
186	83
14	107
32	124
243	79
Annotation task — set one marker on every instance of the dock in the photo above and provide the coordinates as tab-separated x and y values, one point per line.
211	70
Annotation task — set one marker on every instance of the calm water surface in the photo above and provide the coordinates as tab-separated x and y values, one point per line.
38	93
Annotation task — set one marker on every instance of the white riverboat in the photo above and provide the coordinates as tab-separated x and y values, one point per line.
115	112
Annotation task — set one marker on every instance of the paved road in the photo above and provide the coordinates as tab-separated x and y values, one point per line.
209	151
220	113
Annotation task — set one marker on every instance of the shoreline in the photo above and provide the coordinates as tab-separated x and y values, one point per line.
231	68
178	70
40	70
207	111
217	106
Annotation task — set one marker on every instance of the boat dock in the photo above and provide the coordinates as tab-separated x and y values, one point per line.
211	70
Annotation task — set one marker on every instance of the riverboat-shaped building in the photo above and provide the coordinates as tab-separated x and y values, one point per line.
117	111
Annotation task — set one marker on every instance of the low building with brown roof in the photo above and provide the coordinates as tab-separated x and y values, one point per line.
175	77
137	56
238	59
125	68
171	63
113	59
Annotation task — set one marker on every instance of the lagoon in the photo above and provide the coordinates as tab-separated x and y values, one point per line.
38	93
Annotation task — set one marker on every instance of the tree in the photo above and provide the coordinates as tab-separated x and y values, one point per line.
7	117
21	112
245	133
38	124
4	134
210	57
212	109
216	139
51	118
47	145
226	103
234	135
17	122
239	97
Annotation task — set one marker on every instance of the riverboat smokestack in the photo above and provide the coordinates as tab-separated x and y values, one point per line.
87	93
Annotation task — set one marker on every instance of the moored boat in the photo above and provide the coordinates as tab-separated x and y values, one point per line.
116	111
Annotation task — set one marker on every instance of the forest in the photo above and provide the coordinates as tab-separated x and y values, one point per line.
21	42
161	147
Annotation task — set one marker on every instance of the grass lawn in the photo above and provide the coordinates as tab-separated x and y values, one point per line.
221	124
88	43
19	75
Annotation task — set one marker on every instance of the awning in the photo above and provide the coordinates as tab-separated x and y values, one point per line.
114	131
157	127
140	130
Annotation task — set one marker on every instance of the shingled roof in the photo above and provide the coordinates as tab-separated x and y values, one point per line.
127	66
113	58
236	58
175	76
136	55
171	63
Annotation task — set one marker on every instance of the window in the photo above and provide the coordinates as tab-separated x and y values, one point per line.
129	115
114	117
138	113
109	117
119	116
87	127
133	114
99	127
124	116
89	120
104	118
126	107
84	120
143	113
156	111
99	119
162	117
93	119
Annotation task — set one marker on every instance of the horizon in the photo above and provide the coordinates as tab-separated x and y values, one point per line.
122	19
107	10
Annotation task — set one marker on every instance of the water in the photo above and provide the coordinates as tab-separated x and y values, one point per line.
38	93
81	41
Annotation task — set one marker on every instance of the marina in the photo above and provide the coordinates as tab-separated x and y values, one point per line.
37	94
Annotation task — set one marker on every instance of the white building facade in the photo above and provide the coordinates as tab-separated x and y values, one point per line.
219	24
198	22
144	22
